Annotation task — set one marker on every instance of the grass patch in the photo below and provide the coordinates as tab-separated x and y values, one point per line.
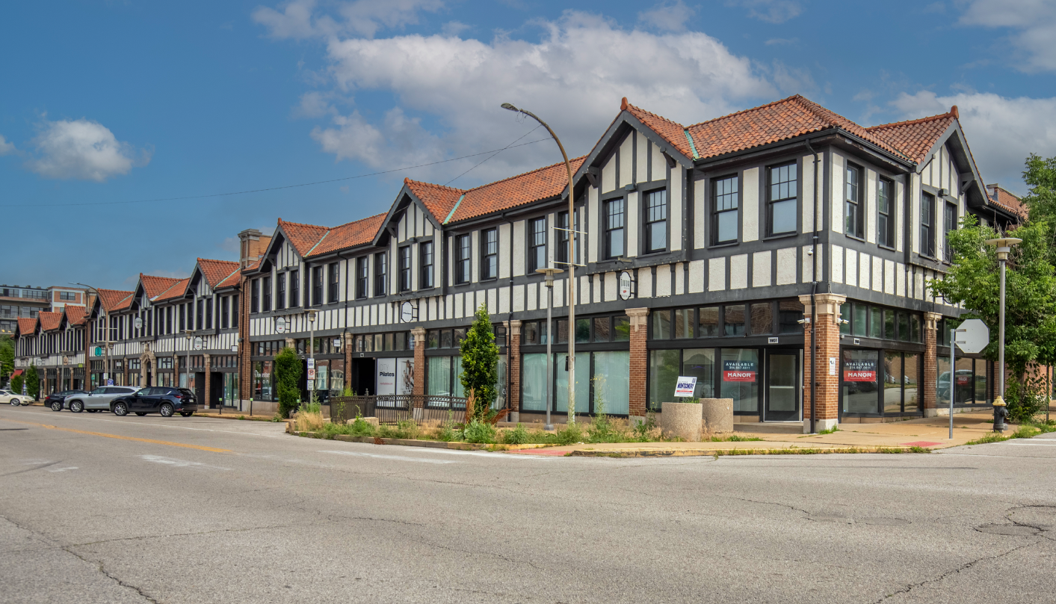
817	451
732	438
832	430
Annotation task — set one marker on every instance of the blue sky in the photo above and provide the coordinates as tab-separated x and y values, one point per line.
107	102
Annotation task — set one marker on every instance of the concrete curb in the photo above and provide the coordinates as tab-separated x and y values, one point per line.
429	444
738	452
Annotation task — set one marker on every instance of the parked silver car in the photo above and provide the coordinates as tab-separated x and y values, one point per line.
99	399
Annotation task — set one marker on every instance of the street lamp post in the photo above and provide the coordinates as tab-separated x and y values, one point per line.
187	357
571	266
1004	246
311	353
106	337
549	272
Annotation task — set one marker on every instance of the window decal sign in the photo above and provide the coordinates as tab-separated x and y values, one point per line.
738	371
859	370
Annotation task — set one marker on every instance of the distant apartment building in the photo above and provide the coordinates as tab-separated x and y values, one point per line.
26	302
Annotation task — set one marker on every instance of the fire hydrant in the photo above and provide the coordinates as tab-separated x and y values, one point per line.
1000	415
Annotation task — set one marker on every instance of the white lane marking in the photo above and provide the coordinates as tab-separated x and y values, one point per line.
394	457
63	469
179	463
1021	442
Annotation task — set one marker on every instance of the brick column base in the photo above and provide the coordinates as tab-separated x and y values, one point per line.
418	333
826	386
208	392
513	366
931	363
639	362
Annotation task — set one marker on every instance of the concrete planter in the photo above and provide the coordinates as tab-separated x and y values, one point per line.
718	415
682	420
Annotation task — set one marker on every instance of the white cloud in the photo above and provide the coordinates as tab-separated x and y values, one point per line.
448	90
771	11
84	150
1034	22
6	147
1001	131
313	104
359	18
453	29
667	16
231	245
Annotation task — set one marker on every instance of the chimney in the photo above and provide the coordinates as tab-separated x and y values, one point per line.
249	247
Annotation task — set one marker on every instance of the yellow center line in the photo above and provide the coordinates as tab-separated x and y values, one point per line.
119	437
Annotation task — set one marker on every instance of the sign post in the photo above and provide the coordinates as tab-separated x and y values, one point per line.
971	337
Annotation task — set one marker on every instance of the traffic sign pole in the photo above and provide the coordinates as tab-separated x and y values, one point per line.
953	374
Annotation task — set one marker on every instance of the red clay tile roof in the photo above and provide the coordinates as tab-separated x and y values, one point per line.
349	235
252	266
915	138
154	286
216	271
515	191
75	315
26	325
302	236
176	290
232	280
112	299
49	320
671	132
1006	200
438	199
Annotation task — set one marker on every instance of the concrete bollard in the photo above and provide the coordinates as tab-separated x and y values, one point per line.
682	420
718	415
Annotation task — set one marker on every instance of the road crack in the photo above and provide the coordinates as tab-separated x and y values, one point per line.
951	572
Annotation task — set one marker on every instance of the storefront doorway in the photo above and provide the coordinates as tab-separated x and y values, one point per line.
361	378
783	389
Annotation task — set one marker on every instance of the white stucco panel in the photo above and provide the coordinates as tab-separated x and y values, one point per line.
851	268
696	276
808	193
836	193
645	283
717	274
761	269
700	216
750	205
786	266
675	207
663	280
739	271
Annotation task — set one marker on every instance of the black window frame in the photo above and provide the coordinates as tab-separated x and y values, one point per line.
333	282
225	312
733	195
949	206
265	298
199	314
426	259
403	268
362	277
885	221
254	301
295	289
280	291
536	239
209	303
654	215
489	254
463	259
317	285
927	228
381	274
561	238
609	218
856	228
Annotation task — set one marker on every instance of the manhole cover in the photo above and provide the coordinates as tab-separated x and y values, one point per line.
1012	530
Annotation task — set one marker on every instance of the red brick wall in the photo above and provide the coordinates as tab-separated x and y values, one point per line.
827	342
513	331
418	334
931	366
639	360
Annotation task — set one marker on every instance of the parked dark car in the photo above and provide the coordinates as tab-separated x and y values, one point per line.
55	400
165	400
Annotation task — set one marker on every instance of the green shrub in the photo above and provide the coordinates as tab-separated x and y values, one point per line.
643	430
287	374
479	432
360	427
480	358
569	435
517	436
403	429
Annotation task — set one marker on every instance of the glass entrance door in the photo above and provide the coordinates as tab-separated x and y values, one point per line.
782	387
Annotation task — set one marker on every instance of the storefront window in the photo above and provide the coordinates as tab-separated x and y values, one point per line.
861	314
789	314
439	370
612	382
601	329
708	321
683	323
859	381
582	330
230	389
661	324
621	328
337	381
740	378
876	323
889	324
582	383
262	390
911	381
893	378
700	363
762	319
663	374
982	390
733	320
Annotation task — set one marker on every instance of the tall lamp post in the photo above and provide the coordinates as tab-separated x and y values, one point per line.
549	272
571	266
106	338
1004	246
311	353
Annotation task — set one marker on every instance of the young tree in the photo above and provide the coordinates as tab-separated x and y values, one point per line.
7	357
480	360
16	384
1030	300
33	382
287	375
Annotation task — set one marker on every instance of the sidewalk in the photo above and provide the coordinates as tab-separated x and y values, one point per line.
925	433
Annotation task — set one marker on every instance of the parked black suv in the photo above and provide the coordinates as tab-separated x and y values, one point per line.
55	399
164	400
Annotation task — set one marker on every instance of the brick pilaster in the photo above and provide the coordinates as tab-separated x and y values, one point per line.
208	392
513	365
931	363
639	360
347	343
418	333
827	346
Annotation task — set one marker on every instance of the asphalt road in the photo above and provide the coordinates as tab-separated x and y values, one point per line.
98	508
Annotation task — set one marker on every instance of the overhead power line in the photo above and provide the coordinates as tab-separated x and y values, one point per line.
493	153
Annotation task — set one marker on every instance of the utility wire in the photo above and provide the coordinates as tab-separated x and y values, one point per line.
493	153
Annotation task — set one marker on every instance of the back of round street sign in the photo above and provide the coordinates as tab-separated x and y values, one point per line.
972	336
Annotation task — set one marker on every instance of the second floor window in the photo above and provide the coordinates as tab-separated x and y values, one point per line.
334	286
199	315
235	310
536	244
425	265
782	199
254	299
209	313
489	254
613	225
949	225
854	214
463	258
405	268
562	235
280	294
225	312
885	223
725	206
655	221
362	276
181	310
381	270
266	294
295	289
317	285
927	224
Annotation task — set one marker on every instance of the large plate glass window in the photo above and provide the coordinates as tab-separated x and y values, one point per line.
859	380
656	221
614	225
725	207
782	199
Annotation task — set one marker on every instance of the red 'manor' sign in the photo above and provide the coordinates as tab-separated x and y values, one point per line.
859	376
738	376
